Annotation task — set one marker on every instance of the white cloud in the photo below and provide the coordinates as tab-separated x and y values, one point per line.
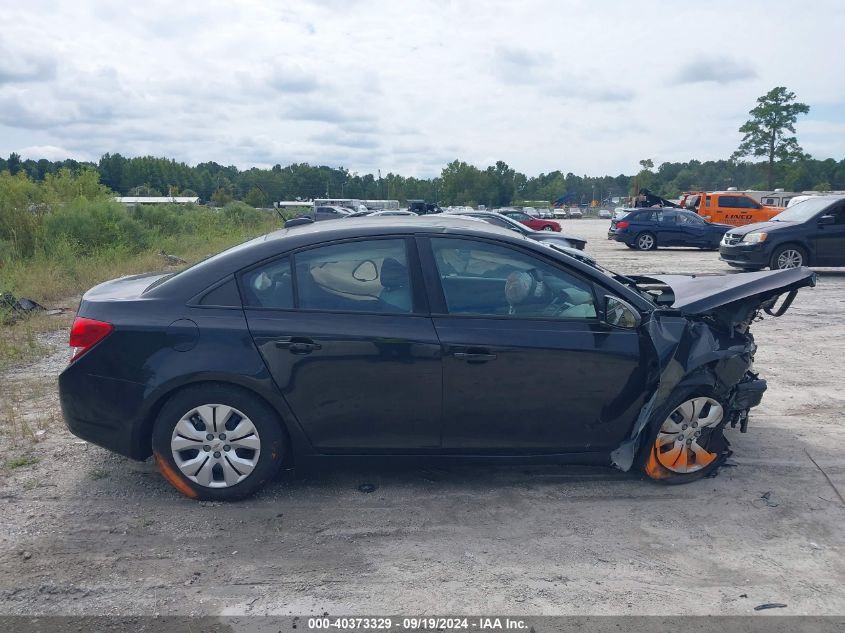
406	86
50	152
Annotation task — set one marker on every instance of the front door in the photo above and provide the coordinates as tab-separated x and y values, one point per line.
830	240
351	349
692	230
527	365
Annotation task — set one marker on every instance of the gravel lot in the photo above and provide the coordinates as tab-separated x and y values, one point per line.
84	531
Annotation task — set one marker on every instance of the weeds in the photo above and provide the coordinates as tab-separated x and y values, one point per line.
66	234
30	409
21	461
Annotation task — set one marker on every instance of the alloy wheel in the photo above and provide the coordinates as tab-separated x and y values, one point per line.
547	228
681	444
790	258
215	445
645	242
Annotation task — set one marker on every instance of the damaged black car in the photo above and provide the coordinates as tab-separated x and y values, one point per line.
414	337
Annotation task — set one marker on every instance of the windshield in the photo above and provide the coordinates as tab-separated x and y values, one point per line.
803	211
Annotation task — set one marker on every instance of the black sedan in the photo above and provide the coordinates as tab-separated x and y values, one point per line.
412	336
646	229
811	233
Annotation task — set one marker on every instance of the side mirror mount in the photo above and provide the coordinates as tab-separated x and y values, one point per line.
621	314
827	219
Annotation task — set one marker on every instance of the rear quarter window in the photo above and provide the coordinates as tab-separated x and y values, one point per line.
224	294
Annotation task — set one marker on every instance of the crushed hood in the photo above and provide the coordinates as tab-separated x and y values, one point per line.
733	294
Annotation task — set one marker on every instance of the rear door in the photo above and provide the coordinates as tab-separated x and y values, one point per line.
344	332
830	239
527	364
668	233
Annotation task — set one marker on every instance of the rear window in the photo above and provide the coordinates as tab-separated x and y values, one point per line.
247	244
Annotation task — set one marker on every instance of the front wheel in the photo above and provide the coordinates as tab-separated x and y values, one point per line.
788	256
217	442
689	443
548	228
646	242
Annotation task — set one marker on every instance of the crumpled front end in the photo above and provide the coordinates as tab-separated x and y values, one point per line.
711	355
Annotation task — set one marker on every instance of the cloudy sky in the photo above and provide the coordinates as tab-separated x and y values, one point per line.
590	87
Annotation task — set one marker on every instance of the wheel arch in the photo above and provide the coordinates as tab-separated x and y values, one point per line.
145	429
804	246
702	380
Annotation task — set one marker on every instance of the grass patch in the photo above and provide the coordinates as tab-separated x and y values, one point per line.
19	343
21	462
30	409
54	276
67	233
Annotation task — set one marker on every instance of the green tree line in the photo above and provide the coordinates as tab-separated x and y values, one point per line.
458	183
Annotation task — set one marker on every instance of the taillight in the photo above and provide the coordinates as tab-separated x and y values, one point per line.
85	334
623	224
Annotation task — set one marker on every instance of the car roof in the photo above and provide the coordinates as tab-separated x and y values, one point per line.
197	279
267	246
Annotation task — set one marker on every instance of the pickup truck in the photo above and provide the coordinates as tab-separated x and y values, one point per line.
728	207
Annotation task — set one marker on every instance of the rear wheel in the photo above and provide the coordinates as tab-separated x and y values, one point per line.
689	443
788	256
646	242
217	442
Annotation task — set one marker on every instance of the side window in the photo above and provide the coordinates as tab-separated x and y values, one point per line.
839	214
707	201
226	294
689	218
269	286
366	276
727	202
483	279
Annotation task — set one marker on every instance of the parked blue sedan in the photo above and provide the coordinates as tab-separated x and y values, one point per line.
646	229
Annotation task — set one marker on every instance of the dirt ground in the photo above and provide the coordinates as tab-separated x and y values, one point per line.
84	531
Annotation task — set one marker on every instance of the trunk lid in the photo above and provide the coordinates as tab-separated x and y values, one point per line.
123	288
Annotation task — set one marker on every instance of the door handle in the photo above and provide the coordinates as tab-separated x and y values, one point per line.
298	344
475	356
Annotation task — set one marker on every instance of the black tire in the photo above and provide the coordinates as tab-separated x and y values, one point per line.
548	227
792	253
716	443
646	241
267	426
632	246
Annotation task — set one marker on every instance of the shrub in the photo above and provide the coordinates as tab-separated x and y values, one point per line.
93	225
240	214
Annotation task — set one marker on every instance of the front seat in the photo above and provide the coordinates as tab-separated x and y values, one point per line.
395	281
